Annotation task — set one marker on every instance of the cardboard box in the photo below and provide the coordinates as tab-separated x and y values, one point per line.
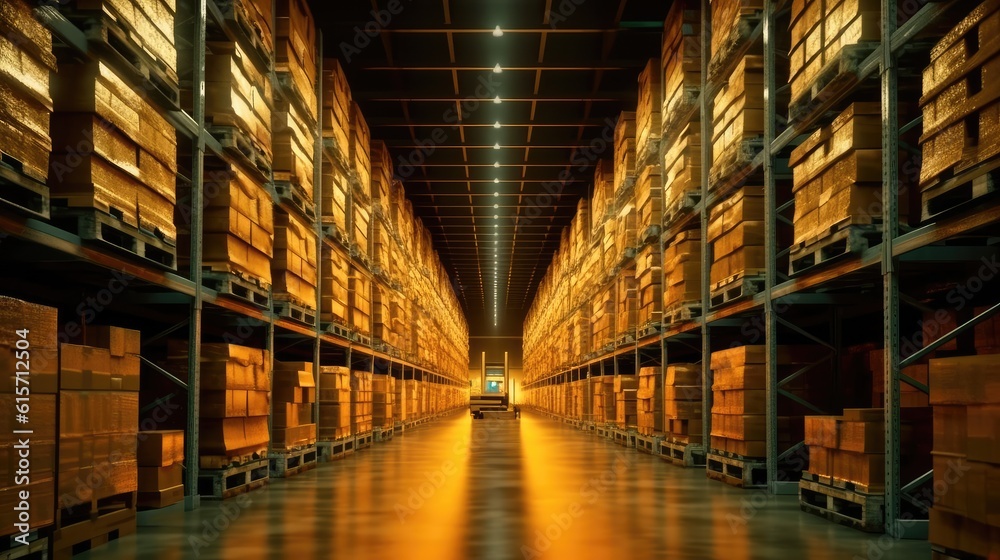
160	448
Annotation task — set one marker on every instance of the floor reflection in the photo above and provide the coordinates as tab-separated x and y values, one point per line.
459	489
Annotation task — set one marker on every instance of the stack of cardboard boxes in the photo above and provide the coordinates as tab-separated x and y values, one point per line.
293	401
160	457
334	403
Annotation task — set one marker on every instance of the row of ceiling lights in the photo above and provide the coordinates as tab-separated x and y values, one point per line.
496	217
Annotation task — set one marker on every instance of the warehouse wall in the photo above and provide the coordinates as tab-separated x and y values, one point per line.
495	346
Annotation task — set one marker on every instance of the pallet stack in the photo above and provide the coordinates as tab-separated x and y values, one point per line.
335	287
160	459
682	403
361	176
239	101
625	164
603	318
361	402
828	42
603	198
26	100
336	112
129	175
293	268
604	400
736	235
964	394
838	187
733	22
383	401
649	278
360	301
235	395
681	63
959	108
626	405
682	299
851	448
294	118
627	312
738	120
649	397
407	400
293	401
648	124
649	201
739	404
334	403
41	324
98	425
238	225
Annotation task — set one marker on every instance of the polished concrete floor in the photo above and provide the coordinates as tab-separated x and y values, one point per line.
458	489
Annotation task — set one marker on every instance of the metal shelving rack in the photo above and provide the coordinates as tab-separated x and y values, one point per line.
177	287
884	263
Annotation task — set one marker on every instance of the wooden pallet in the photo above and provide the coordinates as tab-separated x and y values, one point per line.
287	89
624	340
36	549
364	440
865	512
624	437
112	37
362	339
221	484
961	189
93	225
22	192
335	234
232	458
736	287
741	32
294	311
844	484
335	152
290	463
849	239
649	329
238	144
682	312
683	454
295	196
650	235
382	434
88	526
736	471
651	154
835	78
684	205
337	449
735	161
247	33
229	284
648	443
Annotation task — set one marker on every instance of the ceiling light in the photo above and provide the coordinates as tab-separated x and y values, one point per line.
497	69
496	164
496	242
496	216
496	124
496	146
496	206
498	32
496	180
497	100
496	194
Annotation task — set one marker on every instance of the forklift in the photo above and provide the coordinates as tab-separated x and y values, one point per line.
493	400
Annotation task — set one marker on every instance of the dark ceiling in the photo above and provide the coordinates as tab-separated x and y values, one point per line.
427	78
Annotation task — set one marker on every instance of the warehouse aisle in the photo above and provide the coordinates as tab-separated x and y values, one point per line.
459	489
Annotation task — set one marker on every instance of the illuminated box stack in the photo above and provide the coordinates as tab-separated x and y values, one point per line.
160	456
293	400
966	400
334	403
98	424
361	402
39	325
234	400
682	403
